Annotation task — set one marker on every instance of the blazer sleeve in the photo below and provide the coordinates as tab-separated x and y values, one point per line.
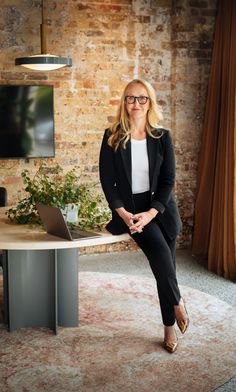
166	179
107	174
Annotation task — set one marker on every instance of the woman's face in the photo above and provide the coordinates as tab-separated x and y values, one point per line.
137	109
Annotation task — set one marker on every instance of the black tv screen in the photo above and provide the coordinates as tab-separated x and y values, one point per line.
26	122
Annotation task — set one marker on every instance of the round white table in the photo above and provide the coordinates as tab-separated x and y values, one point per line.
40	275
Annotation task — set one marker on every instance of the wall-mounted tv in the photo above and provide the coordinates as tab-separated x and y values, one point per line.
26	122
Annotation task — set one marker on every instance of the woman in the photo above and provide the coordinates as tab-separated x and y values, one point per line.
137	173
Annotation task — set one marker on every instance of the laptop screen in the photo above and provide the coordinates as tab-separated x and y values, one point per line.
55	224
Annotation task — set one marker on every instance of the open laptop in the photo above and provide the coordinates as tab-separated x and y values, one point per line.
54	223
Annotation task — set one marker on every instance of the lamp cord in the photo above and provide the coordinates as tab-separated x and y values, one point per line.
42	11
43	31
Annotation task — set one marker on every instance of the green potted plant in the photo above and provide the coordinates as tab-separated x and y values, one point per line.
50	185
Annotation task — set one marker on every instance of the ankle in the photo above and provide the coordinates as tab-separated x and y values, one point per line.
169	329
180	303
170	333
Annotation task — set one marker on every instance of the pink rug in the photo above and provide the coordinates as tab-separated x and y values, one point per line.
117	347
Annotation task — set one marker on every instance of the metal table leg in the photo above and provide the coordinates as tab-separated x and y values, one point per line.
41	288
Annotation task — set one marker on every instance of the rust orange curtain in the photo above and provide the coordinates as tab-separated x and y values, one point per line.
214	234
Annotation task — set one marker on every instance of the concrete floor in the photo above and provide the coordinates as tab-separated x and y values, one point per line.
191	272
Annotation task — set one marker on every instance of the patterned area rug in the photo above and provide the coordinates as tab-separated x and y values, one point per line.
118	345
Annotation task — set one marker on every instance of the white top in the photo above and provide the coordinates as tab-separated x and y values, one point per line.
140	166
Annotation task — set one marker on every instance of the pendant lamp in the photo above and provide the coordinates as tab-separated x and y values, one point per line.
43	61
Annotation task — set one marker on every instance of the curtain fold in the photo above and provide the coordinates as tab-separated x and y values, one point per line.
214	234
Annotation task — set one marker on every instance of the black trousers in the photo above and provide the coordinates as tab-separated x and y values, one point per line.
160	252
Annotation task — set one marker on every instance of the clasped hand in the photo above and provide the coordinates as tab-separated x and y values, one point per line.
139	221
136	222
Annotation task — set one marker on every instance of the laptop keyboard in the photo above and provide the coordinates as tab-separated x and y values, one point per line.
82	234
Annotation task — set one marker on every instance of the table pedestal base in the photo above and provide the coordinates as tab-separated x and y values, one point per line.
41	288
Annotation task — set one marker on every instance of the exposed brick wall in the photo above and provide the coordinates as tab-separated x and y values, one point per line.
112	41
116	247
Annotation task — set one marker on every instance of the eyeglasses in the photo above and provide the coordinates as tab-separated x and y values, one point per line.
141	100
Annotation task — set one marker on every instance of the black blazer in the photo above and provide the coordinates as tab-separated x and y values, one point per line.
115	177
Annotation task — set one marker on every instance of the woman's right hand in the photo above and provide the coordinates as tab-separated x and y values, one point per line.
126	216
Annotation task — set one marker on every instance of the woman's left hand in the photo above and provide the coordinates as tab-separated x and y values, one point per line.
142	219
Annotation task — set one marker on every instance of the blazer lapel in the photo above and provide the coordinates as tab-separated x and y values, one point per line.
126	158
152	153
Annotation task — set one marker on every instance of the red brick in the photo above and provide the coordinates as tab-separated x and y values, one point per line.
110	43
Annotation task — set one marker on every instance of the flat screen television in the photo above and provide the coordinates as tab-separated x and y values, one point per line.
26	122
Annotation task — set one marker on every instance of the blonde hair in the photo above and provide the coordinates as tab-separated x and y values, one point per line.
120	131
